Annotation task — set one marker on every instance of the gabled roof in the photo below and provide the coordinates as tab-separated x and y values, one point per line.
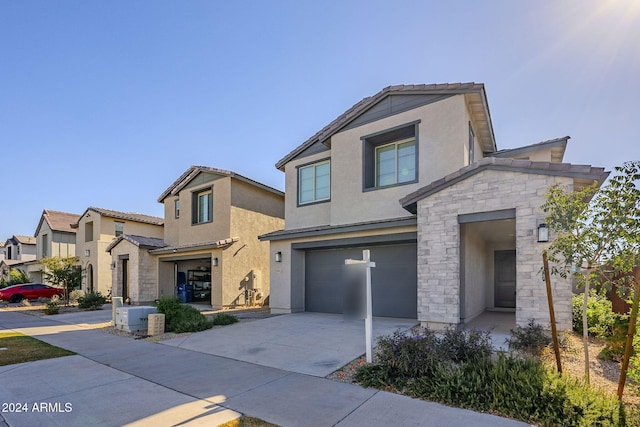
128	216
140	241
195	246
194	171
25	240
582	174
478	104
58	221
558	145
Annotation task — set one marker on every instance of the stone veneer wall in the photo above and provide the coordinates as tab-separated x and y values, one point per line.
439	246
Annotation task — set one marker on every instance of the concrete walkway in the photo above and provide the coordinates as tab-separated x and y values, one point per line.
116	381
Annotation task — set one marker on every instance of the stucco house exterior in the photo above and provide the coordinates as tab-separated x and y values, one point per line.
211	225
54	237
18	250
96	229
413	174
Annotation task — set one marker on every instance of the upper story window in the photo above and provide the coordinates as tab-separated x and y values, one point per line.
176	208
202	210
391	157
119	228
88	231
314	182
472	144
45	243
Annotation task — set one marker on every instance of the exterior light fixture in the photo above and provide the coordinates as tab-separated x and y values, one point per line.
278	256
87	252
215	262
543	233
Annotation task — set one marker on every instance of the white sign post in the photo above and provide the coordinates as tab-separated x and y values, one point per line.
366	261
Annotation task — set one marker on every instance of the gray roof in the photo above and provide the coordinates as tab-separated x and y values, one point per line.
128	216
422	89
195	246
140	241
584	174
342	228
560	143
193	171
58	221
25	240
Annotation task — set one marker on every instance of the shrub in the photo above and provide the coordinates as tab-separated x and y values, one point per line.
25	303
92	301
531	338
53	307
182	318
75	295
223	319
600	316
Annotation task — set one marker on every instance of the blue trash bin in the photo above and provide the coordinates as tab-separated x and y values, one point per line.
188	293
182	292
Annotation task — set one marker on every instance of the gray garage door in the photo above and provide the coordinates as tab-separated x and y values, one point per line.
329	283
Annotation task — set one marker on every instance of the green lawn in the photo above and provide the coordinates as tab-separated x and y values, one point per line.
19	348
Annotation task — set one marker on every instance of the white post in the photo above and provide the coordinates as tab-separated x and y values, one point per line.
368	321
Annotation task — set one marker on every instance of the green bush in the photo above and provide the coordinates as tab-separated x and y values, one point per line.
512	386
181	317
53	307
531	338
600	316
223	319
92	301
75	295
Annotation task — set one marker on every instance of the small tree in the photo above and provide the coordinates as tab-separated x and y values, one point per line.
17	276
63	272
597	231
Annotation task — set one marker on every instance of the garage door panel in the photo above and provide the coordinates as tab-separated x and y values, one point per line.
394	280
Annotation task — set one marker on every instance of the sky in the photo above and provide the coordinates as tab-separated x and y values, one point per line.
107	103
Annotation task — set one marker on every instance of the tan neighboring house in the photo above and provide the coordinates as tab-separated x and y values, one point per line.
413	174
212	221
96	229
17	251
54	238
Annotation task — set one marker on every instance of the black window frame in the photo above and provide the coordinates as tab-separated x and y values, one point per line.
305	165
195	196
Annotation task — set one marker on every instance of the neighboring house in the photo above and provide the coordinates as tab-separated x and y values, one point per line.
54	238
2	255
212	221
18	250
413	174
95	230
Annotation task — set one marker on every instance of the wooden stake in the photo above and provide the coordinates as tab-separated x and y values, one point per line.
552	315
631	332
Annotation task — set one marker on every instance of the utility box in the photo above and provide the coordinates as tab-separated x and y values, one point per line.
156	324
133	319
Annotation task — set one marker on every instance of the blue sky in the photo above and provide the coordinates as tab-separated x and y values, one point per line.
106	103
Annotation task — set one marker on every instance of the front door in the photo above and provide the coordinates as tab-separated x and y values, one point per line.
505	278
125	279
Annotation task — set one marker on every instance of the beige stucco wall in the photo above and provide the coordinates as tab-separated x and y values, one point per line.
287	277
142	275
442	137
439	243
103	235
59	244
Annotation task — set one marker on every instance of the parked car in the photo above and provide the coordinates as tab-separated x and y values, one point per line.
17	293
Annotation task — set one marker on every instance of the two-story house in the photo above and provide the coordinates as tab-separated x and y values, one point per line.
96	229
414	175
211	225
54	238
18	251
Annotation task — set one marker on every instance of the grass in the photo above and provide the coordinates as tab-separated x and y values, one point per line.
245	421
22	348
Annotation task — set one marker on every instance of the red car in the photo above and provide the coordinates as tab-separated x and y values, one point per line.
17	293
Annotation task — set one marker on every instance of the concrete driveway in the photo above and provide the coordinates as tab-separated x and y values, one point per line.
307	343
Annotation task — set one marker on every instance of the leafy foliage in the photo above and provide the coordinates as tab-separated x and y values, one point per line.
223	319
600	316
181	317
62	272
16	277
92	301
531	338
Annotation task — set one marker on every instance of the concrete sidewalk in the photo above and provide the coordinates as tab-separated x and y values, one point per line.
117	381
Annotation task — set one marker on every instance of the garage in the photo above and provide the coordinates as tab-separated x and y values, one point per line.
328	282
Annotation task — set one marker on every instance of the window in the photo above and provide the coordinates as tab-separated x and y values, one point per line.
202	206
177	208
45	243
119	228
88	231
472	141
390	157
314	183
396	163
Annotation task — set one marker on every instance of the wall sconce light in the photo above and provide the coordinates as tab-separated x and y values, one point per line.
543	233
215	262
113	265
87	252
278	256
